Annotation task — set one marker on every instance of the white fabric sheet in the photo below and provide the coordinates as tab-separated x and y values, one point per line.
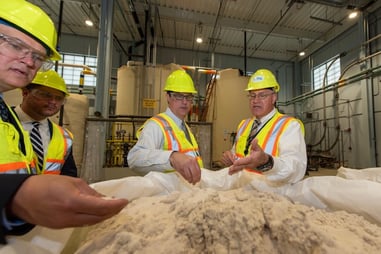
353	191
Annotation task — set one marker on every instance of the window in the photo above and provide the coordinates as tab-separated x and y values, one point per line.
333	74
71	74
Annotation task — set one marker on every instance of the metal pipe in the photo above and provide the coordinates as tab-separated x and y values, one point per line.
61	114
245	53
341	83
289	5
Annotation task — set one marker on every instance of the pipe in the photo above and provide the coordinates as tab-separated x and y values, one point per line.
85	67
212	42
61	115
341	83
275	25
82	79
245	53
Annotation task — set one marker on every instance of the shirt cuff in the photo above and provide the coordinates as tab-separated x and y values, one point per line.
10	224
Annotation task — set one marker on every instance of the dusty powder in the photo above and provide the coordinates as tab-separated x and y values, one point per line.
234	221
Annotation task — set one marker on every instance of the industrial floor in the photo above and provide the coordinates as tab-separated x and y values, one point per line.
120	172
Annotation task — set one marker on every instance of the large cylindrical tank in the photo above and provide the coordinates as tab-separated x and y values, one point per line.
126	91
227	108
140	89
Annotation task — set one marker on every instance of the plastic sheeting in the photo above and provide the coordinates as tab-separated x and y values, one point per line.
343	192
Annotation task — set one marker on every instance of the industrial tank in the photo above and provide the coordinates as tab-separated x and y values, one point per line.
227	108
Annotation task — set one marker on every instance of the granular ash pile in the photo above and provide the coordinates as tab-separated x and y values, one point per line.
234	221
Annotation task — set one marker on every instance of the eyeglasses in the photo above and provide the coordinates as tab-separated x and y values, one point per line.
44	95
260	96
15	47
180	97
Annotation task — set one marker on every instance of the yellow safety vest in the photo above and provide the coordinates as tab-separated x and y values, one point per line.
268	136
12	159
58	150
175	139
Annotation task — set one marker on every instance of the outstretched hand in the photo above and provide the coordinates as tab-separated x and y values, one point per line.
58	201
256	158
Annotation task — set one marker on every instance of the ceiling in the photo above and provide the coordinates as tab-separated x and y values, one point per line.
274	29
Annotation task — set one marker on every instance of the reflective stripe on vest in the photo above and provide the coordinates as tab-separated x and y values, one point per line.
271	141
58	150
268	136
12	159
175	138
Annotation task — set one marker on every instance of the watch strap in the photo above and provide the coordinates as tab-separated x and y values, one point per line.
267	166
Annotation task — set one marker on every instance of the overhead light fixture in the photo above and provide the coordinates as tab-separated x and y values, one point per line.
301	52
353	14
353	11
199	33
88	22
87	10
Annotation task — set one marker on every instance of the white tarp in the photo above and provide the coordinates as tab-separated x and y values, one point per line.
355	191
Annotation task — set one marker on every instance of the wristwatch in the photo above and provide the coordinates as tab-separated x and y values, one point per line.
267	166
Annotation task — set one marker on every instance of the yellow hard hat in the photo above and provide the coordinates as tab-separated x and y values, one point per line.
31	19
179	81
262	79
50	79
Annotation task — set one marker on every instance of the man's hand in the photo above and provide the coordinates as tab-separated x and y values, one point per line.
256	158
228	158
58	201
187	166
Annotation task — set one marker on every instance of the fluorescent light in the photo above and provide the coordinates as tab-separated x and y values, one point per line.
199	40
88	22
302	53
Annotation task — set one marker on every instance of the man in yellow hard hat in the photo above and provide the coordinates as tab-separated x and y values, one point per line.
269	142
166	142
43	98
28	44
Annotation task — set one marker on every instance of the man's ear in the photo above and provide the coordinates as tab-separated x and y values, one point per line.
25	91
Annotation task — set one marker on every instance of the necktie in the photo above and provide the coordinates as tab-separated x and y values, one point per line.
38	148
186	131
4	114
253	132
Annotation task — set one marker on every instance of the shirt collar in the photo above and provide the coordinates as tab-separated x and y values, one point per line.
268	116
25	118
177	120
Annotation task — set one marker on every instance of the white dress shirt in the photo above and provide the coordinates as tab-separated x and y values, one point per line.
147	154
27	121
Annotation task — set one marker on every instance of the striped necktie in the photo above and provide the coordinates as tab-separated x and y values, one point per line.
253	133
38	148
4	112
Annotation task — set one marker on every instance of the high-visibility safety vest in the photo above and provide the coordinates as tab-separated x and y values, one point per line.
59	147
12	159
268	136
175	139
